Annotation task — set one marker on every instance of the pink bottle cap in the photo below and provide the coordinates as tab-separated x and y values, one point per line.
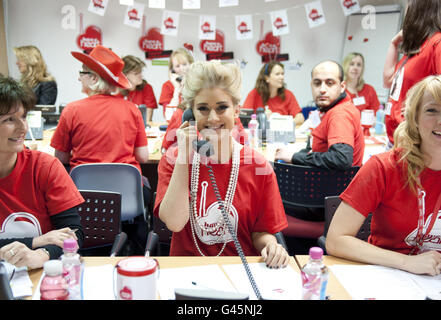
315	253
70	244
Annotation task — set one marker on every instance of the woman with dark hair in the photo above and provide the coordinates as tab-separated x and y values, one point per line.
270	91
38	198
419	41
141	92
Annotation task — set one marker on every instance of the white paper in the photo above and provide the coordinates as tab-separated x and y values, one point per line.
191	4
277	284
98	6
368	282
207	27
228	3
98	283
244	27
157	4
279	22
199	277
21	284
170	23
367	117
315	14
349	6
133	17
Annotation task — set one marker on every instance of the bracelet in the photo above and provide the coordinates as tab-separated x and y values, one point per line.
47	252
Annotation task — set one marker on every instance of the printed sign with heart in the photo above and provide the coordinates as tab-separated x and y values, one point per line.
152	41
90	38
214	46
270	44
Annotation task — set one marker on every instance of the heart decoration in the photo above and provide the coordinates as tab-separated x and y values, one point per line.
214	46
269	45
350	38
89	39
365	40
152	41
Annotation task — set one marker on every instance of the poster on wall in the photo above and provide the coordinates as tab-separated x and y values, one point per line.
315	14
349	6
244	27
89	38
279	22
207	27
191	4
98	6
133	17
157	4
269	48
215	49
170	23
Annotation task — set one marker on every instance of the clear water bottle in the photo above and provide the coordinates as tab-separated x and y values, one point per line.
379	122
53	285
72	268
314	276
253	127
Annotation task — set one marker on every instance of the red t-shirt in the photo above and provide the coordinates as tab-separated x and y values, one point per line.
380	188
167	95
289	106
238	132
37	188
340	124
145	96
257	205
100	128
365	99
427	62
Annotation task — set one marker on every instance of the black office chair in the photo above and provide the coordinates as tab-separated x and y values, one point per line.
100	215
331	205
306	187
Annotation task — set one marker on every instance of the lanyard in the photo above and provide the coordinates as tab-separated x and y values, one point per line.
421	209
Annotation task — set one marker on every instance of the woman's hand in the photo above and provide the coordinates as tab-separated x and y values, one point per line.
20	255
186	134
55	237
428	262
397	39
275	255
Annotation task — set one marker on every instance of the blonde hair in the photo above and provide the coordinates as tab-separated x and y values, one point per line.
180	54
101	86
407	136
346	63
209	75
36	69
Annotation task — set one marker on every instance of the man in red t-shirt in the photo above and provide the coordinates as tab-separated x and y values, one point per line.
338	141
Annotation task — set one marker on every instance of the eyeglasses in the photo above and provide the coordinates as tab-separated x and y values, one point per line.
82	73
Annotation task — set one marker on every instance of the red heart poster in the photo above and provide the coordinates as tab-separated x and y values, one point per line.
89	39
269	45
152	41
214	46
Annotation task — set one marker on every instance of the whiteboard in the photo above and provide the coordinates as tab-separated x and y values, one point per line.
387	25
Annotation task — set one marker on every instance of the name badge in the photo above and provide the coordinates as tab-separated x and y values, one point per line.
358	101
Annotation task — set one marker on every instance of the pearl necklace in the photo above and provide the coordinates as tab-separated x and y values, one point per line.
195	220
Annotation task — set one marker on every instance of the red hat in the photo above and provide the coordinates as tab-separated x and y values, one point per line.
106	63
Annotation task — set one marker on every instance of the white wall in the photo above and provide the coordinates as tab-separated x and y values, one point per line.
38	22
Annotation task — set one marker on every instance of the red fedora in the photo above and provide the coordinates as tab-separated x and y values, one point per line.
106	63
